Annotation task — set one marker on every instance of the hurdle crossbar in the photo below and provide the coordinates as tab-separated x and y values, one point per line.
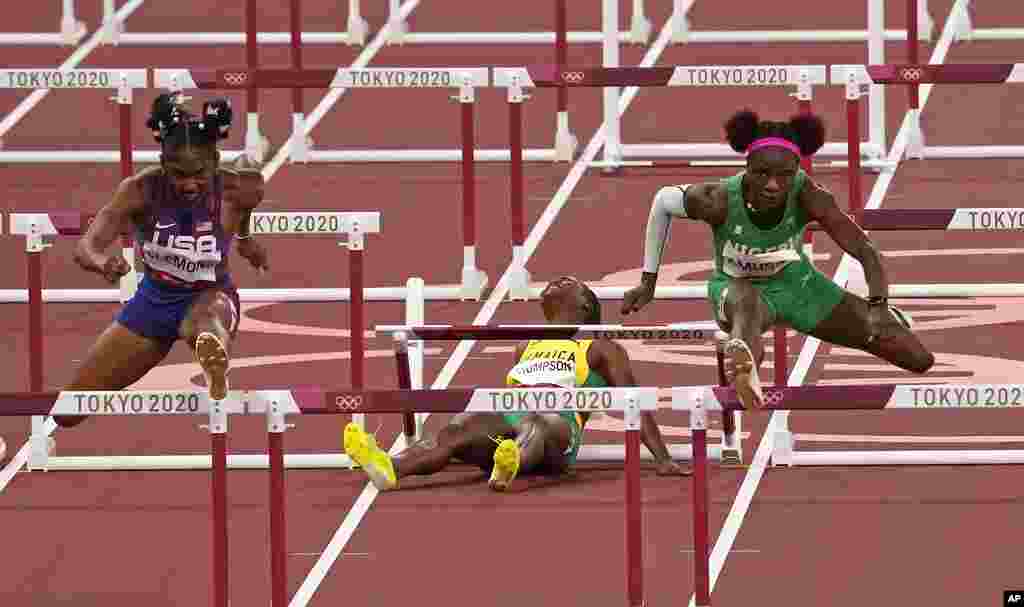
355	225
701	332
914	74
698	400
697	291
276	405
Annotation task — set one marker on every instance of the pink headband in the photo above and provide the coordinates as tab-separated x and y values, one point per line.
776	142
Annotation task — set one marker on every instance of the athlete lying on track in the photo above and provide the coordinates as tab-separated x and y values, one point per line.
507	445
762	276
184	214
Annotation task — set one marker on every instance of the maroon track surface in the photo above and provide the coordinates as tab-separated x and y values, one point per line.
835	536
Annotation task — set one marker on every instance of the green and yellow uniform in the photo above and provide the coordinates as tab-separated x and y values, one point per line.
773	259
556	362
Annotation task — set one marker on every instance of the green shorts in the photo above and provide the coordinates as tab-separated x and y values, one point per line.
799	296
573	450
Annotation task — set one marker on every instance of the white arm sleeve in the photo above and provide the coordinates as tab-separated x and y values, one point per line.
669	202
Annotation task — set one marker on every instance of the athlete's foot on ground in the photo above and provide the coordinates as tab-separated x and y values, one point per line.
363	449
506	465
745	377
213	358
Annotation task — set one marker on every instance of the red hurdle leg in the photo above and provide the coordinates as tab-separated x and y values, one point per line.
562	50
516	203
252	55
295	18
34	258
355	260
912	51
219	489
278	543
634	513
701	580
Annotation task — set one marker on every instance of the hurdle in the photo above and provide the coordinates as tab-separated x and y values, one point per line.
466	80
875	35
277	405
638	33
356	29
914	75
802	77
700	400
408	346
36	227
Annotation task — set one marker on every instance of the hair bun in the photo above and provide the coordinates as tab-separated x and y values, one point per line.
217	116
167	111
810	132
741	129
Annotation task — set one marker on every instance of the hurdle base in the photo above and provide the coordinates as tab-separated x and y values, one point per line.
932	457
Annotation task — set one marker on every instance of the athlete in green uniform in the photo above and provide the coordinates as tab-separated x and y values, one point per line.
761	275
508	445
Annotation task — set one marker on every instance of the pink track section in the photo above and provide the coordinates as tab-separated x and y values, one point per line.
931	536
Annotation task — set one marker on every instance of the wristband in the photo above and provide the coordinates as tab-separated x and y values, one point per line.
877	300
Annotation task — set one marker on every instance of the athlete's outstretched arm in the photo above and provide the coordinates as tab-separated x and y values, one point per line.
821	206
701	201
116	218
611	360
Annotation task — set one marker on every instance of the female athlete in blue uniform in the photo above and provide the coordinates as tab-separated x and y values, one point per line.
184	214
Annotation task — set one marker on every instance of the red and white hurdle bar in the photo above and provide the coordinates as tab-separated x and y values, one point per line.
114	31
853	77
409	341
36	227
276	405
466	80
802	78
700	400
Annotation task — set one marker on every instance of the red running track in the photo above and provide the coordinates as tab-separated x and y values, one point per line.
941	535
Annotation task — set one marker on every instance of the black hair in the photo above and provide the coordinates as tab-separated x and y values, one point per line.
594	317
173	125
807	131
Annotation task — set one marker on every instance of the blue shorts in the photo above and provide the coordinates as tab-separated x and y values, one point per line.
157	310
